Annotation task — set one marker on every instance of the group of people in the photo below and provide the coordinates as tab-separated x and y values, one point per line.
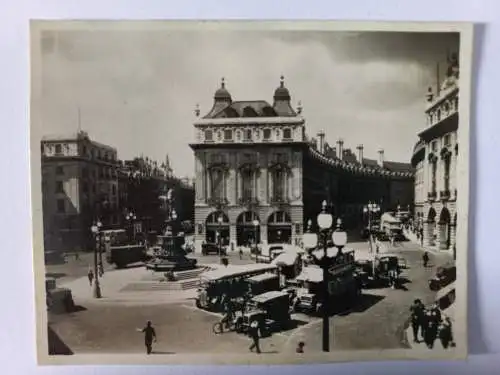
431	325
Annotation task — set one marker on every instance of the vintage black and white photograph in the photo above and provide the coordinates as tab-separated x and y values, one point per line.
250	192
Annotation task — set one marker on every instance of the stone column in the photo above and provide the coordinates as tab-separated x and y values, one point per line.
453	235
263	233
428	234
232	234
443	240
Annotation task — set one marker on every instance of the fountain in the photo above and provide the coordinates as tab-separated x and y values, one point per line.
170	256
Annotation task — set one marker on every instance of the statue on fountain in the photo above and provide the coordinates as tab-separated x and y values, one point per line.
171	256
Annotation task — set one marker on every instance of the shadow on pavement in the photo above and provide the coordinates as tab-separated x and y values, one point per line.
56	345
364	302
160	352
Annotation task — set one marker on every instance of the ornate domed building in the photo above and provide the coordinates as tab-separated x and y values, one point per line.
258	176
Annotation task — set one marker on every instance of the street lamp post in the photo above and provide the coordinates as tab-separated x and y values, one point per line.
130	220
310	239
370	209
256	226
99	236
219	220
97	288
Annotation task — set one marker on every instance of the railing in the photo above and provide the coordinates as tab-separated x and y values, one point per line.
279	200
217	202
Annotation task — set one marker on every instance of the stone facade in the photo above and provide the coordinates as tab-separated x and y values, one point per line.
435	160
259	177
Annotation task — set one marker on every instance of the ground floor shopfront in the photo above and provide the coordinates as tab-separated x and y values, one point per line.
436	223
242	226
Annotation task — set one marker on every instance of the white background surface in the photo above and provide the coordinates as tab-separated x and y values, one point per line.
17	354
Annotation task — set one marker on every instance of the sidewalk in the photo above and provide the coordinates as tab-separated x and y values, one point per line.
113	282
413	239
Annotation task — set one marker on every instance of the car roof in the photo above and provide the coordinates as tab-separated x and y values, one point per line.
264	297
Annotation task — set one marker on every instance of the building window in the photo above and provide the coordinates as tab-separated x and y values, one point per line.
434	146
267	134
434	173
439	115
228	135
287	134
113	189
59	187
248	134
59	170
209	136
58	149
238	135
61	208
247	182
217	183
447	140
447	162
219	136
279	179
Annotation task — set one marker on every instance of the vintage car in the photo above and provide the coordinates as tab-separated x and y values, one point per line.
375	271
58	299
229	282
271	310
212	248
263	283
444	275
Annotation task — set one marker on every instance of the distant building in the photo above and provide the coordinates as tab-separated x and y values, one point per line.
435	162
79	186
258	177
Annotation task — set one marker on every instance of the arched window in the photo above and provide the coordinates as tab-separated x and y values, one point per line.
217	183
447	163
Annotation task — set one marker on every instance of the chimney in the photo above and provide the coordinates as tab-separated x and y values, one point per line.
360	154
381	158
340	149
321	143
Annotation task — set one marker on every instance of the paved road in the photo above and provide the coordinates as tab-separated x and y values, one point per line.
180	329
380	320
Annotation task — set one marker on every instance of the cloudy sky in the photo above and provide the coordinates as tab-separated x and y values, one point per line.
137	90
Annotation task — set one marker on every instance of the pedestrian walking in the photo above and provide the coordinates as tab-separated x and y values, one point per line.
90	275
425	259
417	317
253	332
241	253
300	347
445	333
100	269
149	336
433	319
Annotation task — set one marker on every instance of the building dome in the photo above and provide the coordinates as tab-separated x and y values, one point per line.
222	94
282	93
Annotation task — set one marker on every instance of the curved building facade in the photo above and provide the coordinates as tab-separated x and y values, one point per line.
435	162
259	177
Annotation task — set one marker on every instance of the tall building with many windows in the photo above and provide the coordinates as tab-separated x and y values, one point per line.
259	177
79	186
435	161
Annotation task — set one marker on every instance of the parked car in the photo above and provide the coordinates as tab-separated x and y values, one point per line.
212	248
445	275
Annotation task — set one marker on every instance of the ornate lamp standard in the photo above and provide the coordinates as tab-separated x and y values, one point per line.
95	228
256	227
99	237
130	220
310	239
371	209
219	221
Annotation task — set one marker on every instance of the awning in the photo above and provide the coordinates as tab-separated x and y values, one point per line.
285	259
445	291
